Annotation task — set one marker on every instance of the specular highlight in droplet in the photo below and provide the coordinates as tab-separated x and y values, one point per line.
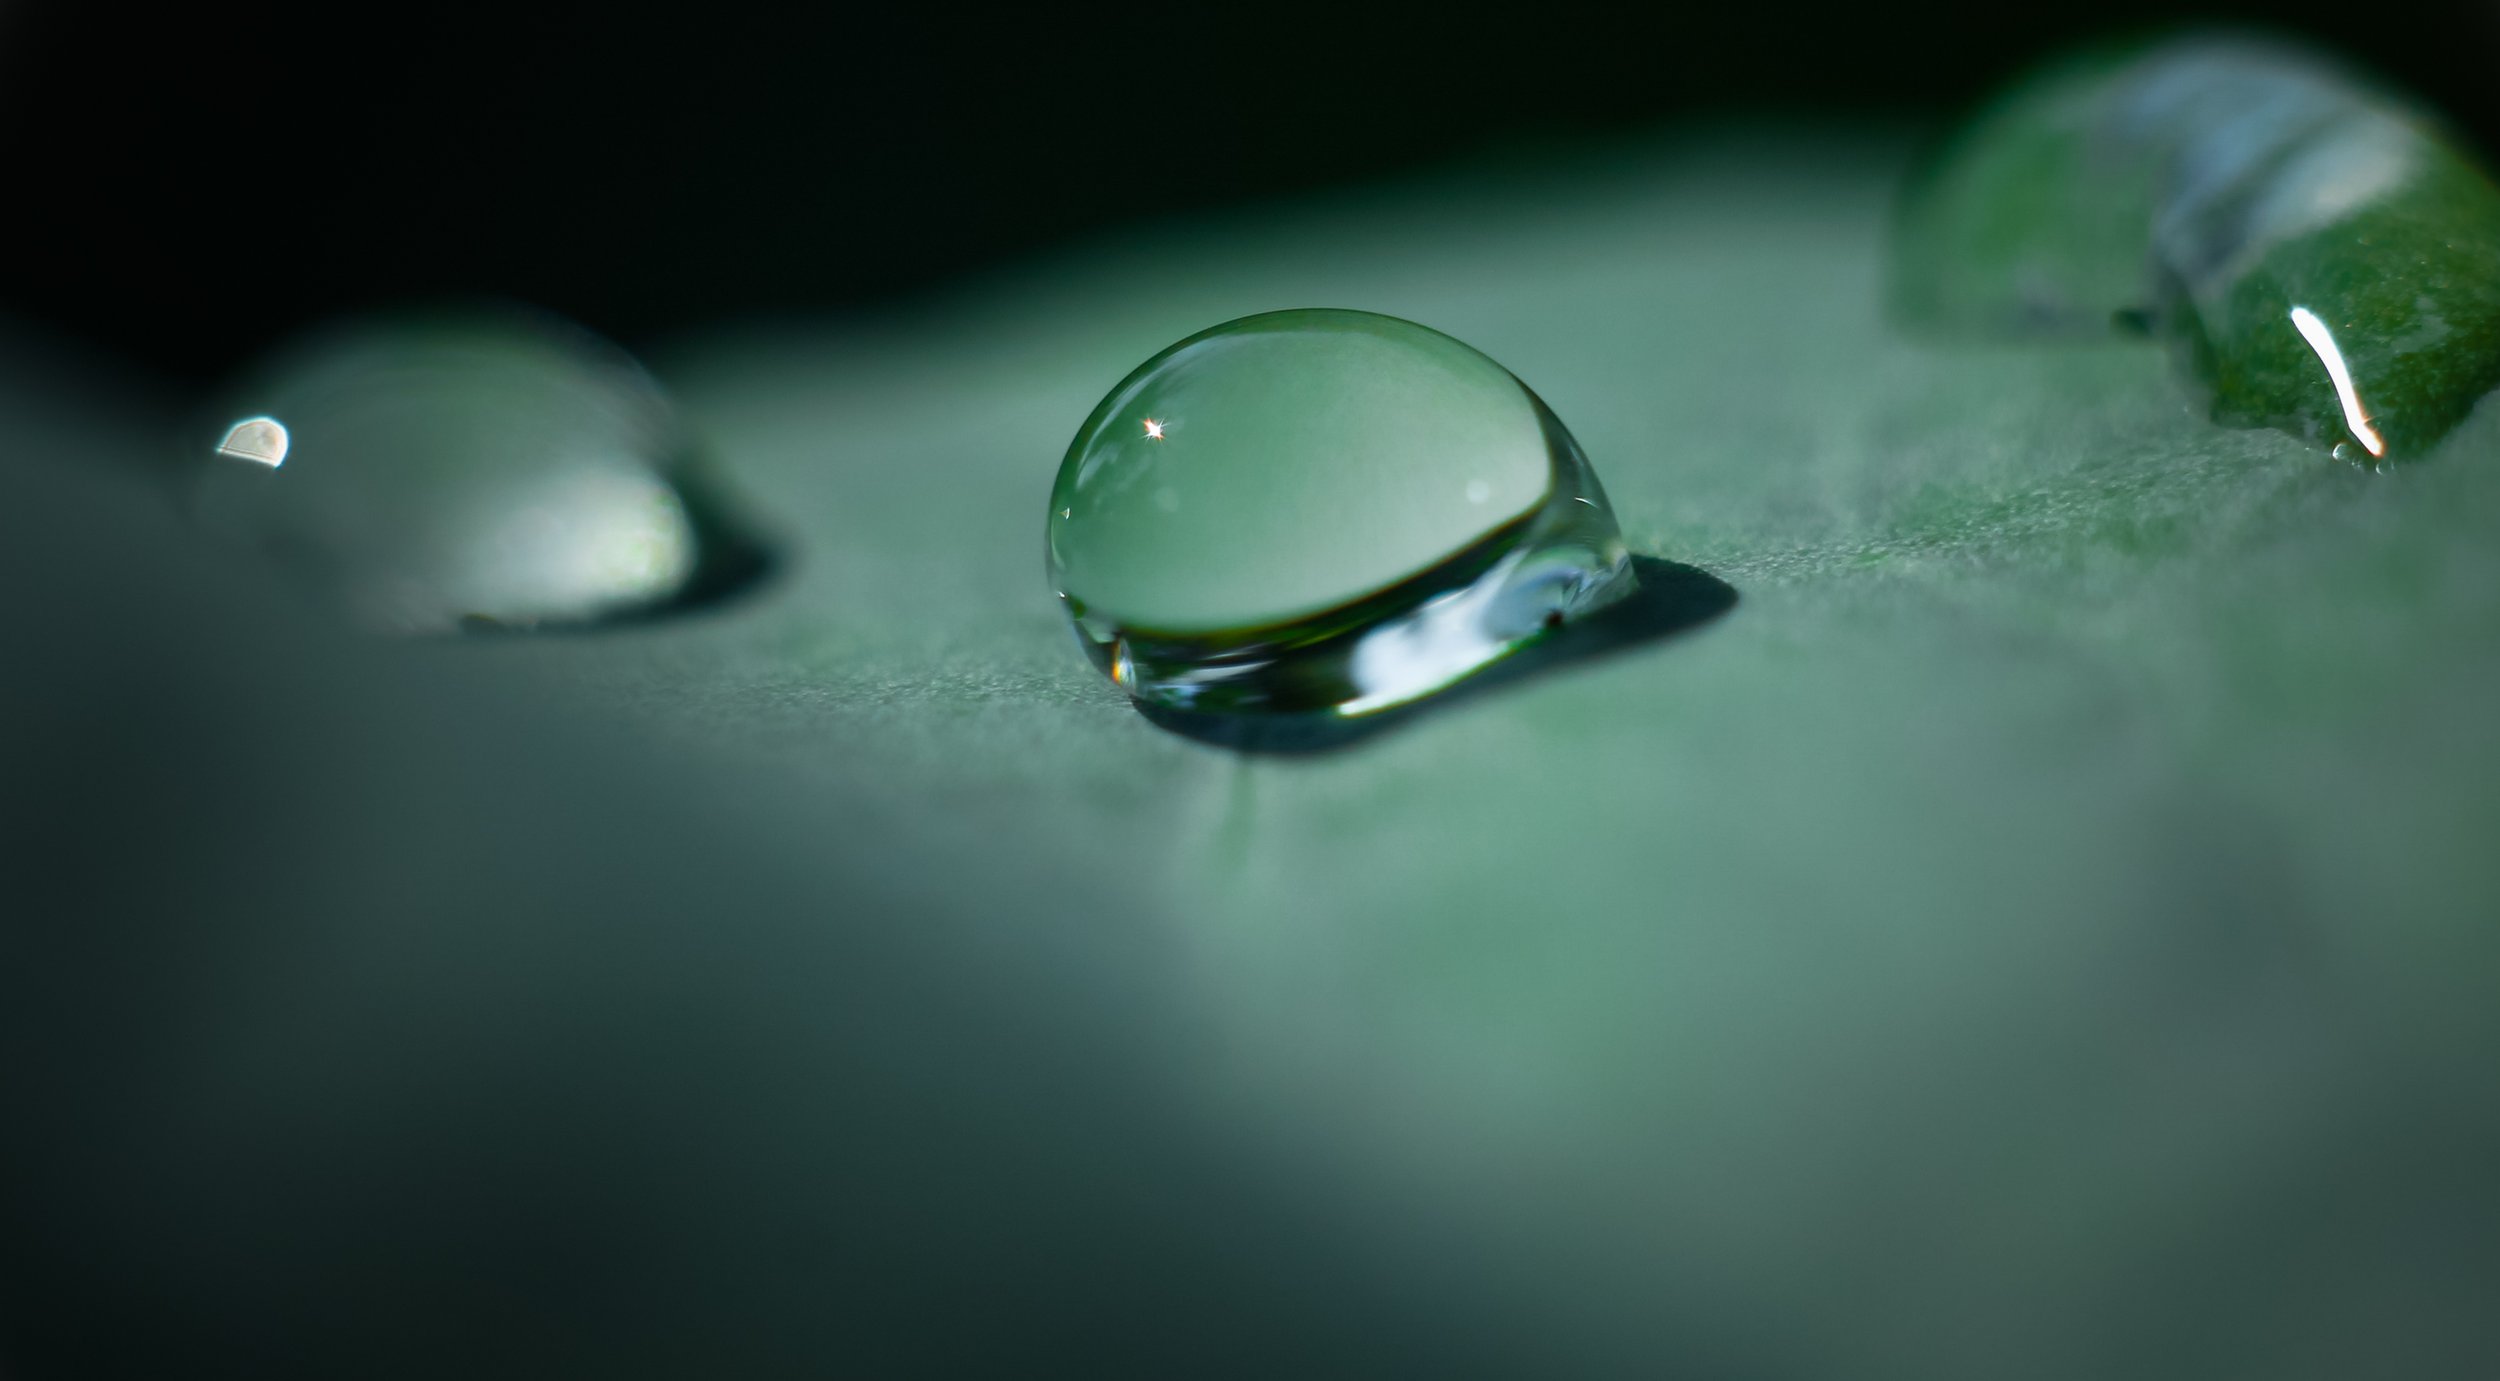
2322	257
483	471
261	439
1322	511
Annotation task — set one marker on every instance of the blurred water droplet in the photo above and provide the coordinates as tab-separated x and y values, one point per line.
484	471
2322	255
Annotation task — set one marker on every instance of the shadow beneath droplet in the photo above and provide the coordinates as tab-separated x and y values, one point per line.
1672	599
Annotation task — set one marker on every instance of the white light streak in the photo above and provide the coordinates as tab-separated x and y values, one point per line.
2321	340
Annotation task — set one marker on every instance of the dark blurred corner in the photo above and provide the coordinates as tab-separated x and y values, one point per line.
190	182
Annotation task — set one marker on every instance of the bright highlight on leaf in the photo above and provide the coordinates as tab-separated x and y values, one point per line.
2322	340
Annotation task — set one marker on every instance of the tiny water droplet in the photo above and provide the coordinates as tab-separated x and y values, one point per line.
471	472
1322	510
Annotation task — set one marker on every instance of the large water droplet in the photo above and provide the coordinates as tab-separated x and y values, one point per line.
1322	511
475	471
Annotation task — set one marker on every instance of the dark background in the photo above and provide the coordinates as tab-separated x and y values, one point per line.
192	181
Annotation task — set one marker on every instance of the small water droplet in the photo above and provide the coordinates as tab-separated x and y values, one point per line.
1323	510
467	473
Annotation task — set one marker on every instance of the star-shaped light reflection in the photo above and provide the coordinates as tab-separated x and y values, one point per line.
1154	430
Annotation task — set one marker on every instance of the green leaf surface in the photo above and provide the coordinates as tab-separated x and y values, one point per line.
2018	907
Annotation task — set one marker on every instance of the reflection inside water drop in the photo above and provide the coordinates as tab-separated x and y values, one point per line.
1322	512
446	473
